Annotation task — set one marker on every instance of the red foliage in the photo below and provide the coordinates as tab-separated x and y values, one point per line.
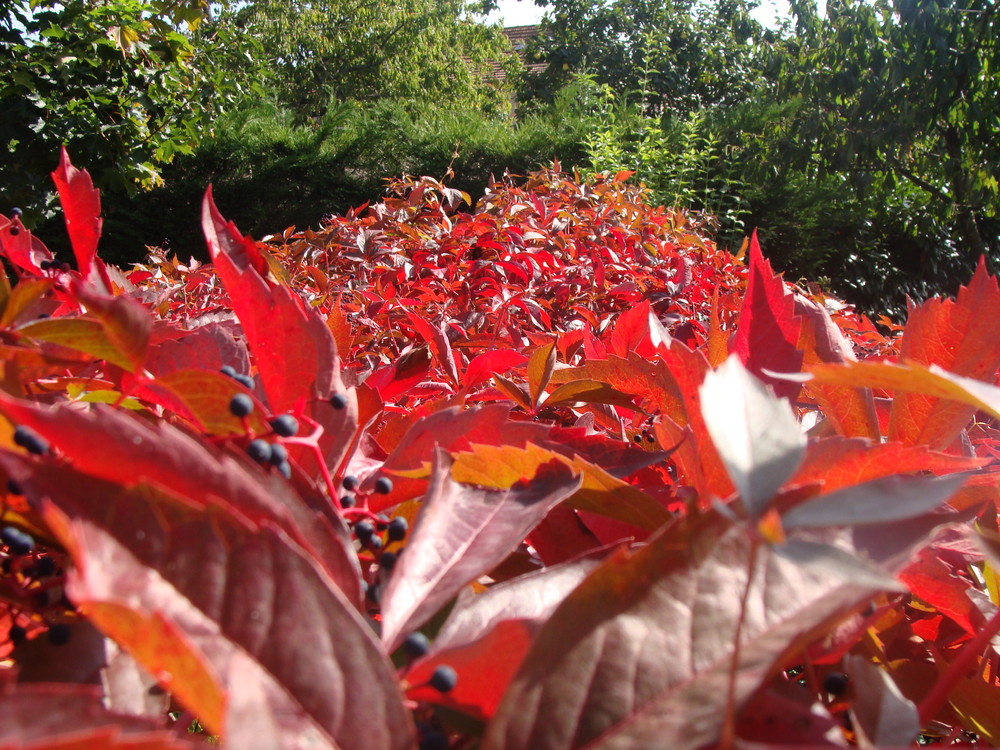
548	434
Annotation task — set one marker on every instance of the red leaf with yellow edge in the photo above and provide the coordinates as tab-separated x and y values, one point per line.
203	398
293	349
959	336
767	336
243	595
838	462
81	204
461	533
503	466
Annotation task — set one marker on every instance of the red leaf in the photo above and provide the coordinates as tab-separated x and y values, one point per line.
20	247
410	368
127	323
122	448
461	533
489	363
768	331
81	205
243	596
654	621
484	667
958	336
73	716
438	343
630	333
292	347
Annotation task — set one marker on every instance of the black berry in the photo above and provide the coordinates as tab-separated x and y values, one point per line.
18	542
835	683
59	634
279	454
364	531
398	527
227	370
241	405
338	401
388	561
14	230
374	543
245	380
30	440
15	211
383	485
284	468
444	679
45	265
416	645
350	482
17	634
286	425
260	451
348	501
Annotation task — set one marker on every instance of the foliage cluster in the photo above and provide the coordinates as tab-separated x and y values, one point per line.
553	473
269	171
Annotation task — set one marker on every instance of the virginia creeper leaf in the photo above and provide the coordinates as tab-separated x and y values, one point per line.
540	365
230	590
639	654
292	347
81	204
756	434
768	331
882	716
461	533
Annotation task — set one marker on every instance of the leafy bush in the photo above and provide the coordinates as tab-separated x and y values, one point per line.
269	172
555	473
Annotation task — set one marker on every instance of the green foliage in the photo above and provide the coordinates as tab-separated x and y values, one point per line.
317	51
123	84
269	172
686	54
680	159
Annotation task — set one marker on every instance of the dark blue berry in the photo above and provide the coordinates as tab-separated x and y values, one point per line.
364	531
382	521
350	482
260	451
18	542
45	265
15	211
286	425
17	634
227	370
59	634
835	683
383	485
245	380
444	679
431	738
30	440
338	400
416	645
374	543
14	230
388	561
348	501
241	405
279	454
398	527
285	469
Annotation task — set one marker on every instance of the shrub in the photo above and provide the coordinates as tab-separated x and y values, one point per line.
649	490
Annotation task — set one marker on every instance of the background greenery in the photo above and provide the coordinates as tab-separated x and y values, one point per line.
862	143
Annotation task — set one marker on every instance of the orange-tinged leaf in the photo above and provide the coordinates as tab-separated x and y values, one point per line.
127	323
203	397
600	493
540	365
588	391
959	336
22	297
81	334
718	342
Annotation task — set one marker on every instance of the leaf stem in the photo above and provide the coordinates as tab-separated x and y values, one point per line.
729	724
938	695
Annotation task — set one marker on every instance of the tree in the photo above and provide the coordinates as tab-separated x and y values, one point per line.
682	55
124	84
316	51
900	96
